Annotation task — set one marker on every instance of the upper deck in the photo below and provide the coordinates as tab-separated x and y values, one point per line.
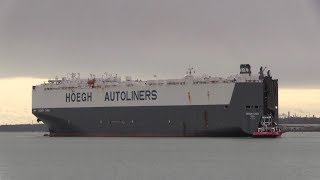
109	81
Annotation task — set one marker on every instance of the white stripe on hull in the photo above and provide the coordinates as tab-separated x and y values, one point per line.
198	94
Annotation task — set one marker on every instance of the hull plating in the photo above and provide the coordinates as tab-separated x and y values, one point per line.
233	119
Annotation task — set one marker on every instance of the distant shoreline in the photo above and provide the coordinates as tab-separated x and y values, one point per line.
24	128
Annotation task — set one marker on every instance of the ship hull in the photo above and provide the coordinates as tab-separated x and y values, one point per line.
142	121
232	119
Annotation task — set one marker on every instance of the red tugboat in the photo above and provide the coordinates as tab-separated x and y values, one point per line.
267	128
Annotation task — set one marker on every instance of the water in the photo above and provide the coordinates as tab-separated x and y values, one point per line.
31	156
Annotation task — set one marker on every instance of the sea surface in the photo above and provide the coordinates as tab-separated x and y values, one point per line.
31	156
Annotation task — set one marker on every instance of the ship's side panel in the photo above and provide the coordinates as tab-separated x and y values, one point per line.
124	96
201	110
247	105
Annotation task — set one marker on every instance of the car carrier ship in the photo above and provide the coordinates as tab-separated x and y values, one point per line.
190	106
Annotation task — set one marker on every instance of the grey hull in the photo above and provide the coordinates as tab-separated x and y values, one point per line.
239	118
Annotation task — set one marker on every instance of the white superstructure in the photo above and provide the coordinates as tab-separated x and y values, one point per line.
110	91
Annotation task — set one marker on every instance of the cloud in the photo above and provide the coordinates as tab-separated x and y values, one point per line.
46	38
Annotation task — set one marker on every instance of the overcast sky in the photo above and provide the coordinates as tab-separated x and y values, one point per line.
44	38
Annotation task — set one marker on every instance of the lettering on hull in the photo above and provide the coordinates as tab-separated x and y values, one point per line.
79	97
142	95
131	95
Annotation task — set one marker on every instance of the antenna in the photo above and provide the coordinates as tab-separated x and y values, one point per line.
261	73
190	71
73	75
92	76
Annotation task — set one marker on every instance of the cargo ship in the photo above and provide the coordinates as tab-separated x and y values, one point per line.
189	106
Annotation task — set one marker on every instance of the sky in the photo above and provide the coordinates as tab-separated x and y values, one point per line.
40	39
